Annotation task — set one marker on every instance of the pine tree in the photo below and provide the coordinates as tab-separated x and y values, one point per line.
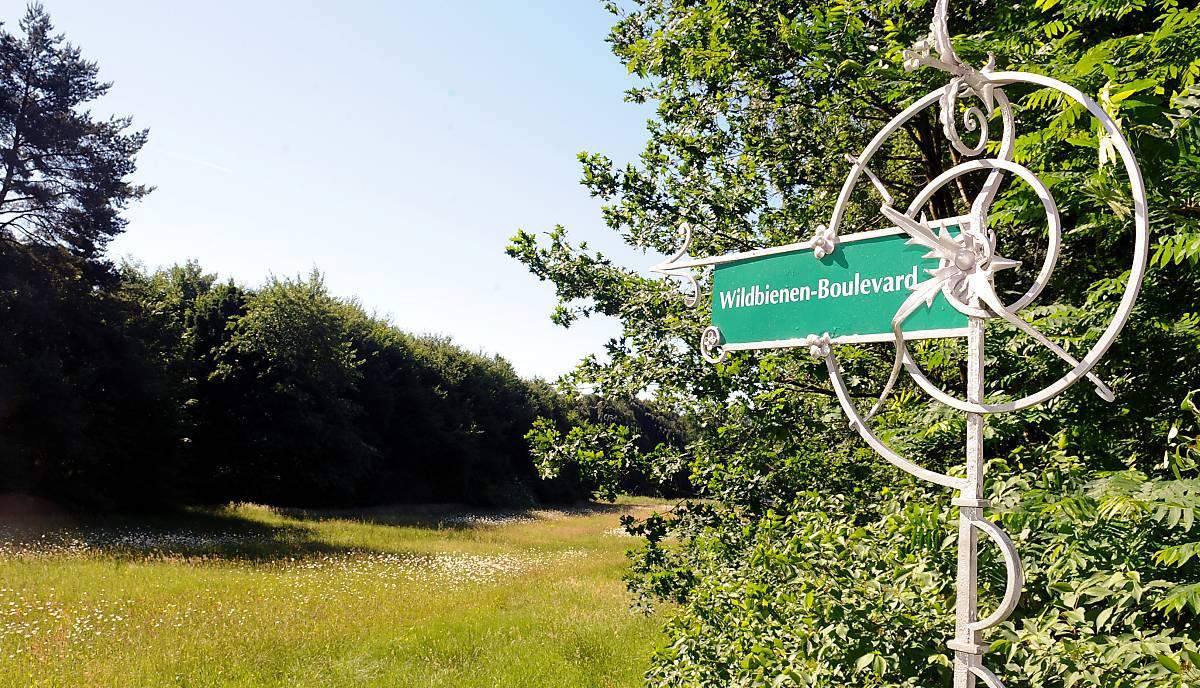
63	174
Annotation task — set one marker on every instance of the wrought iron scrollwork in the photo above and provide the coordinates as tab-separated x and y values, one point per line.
668	267
967	264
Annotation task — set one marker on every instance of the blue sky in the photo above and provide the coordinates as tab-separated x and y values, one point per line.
393	145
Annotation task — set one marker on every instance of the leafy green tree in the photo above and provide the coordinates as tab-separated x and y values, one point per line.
63	174
634	437
87	415
187	318
288	375
475	450
813	552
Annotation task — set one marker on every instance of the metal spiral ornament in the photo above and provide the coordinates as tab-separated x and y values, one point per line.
692	298
967	263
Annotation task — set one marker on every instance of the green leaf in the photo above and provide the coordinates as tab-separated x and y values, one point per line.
864	662
1169	663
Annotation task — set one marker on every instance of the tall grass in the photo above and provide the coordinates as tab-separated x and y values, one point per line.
250	596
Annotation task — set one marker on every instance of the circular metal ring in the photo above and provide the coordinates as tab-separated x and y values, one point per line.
1003	163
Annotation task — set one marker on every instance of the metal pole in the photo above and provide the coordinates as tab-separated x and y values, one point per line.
968	650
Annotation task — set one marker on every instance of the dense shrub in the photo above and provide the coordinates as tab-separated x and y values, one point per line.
826	593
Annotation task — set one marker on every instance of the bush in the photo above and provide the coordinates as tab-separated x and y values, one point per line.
816	594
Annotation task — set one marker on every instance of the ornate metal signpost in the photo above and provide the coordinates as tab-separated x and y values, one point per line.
921	279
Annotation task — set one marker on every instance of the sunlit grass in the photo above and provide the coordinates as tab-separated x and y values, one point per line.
250	596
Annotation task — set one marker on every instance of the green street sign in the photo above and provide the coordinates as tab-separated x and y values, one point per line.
777	297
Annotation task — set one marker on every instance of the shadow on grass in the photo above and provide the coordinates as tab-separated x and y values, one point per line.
220	534
248	532
451	516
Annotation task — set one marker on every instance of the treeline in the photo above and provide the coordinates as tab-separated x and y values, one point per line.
136	389
126	388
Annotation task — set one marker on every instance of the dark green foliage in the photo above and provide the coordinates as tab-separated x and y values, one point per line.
86	410
149	390
287	422
290	396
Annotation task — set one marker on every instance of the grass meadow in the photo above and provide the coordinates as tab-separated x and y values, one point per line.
251	596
